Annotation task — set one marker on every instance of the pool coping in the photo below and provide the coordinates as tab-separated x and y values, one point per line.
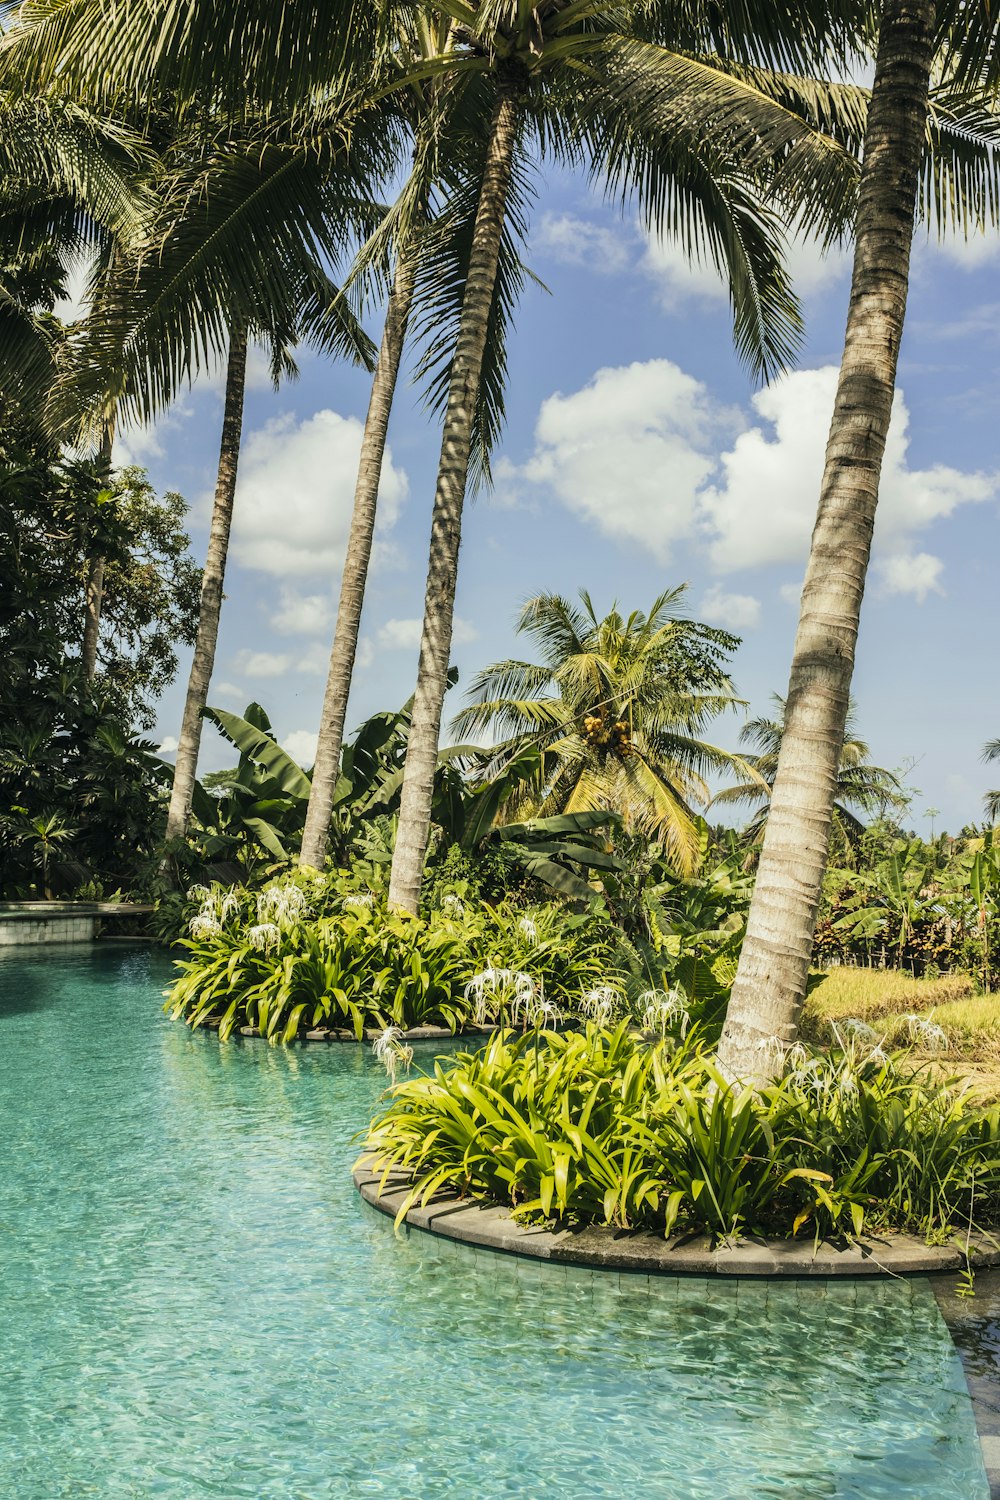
600	1247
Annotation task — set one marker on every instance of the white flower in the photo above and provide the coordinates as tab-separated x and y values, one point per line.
926	1033
858	1031
506	988
204	925
528	929
281	904
266	935
229	906
544	1013
663	1011
453	904
601	1004
198	893
361	899
391	1051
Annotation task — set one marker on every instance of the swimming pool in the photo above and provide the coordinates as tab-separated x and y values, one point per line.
195	1302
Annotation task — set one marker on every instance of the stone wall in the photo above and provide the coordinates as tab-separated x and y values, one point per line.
37	931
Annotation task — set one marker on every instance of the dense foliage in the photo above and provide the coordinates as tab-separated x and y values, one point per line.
80	794
600	1127
322	951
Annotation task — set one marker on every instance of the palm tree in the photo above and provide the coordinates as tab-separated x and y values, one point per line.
861	786
991	802
417	46
280	210
617	706
648	115
762	1018
699	141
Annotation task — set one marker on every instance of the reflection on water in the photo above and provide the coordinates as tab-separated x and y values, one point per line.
196	1303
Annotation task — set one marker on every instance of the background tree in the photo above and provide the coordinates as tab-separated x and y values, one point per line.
861	786
618	707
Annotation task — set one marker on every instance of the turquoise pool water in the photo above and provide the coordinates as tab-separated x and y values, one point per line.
194	1302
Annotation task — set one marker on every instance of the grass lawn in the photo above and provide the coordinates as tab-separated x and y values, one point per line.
883	999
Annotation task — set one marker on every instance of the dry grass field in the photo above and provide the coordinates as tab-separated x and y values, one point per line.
884	999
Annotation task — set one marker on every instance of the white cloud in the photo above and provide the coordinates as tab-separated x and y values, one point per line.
302	614
635	453
679	279
629	451
911	573
312	661
404	635
167	746
732	611
296	492
301	745
263	663
762	510
226	690
582	242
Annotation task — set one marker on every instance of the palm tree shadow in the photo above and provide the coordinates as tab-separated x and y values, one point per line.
29	995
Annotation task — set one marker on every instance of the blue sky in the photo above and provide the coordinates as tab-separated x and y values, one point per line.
638	454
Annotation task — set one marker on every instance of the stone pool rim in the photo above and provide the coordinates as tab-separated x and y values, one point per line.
599	1247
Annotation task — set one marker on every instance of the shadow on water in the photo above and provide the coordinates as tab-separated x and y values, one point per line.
24	989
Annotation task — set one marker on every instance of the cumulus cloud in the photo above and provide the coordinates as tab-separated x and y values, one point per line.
917	573
763	508
629	451
301	745
583	242
636	454
404	635
312	661
167	746
733	611
296	492
678	279
302	614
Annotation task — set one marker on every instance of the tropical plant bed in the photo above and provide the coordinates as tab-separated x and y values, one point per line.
490	1226
599	1128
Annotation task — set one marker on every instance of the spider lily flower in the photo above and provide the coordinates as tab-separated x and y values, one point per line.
453	905
205	925
391	1051
602	1004
528	928
664	1012
926	1033
361	900
264	936
505	988
281	904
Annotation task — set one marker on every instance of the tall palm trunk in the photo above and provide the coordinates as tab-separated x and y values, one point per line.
446	522
359	549
94	598
211	590
767	997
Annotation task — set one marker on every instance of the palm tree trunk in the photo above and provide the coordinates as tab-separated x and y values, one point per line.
352	588
94	598
762	1019
446	523
211	590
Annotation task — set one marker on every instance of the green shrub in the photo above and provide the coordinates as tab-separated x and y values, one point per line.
309	950
597	1127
